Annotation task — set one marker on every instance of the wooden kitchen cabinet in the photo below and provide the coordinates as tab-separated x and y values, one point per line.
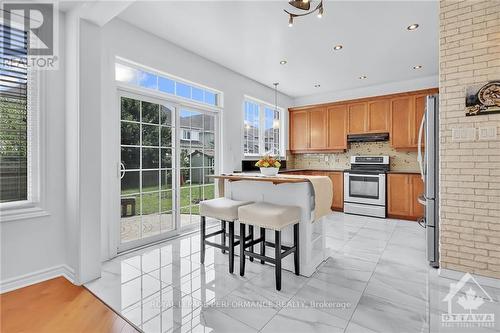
357	118
337	178
417	190
338	190
403	191
318	128
299	130
378	115
324	128
419	111
337	127
400	122
406	116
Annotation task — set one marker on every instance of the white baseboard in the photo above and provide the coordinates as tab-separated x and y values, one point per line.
36	277
482	280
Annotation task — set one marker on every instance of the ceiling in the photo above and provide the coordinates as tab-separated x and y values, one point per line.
251	37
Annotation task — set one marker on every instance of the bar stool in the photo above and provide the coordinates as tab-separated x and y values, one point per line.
225	210
275	217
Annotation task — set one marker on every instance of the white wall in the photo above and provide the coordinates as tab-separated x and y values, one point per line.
376	90
122	39
38	244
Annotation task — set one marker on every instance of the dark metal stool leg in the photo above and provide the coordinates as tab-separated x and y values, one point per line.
231	247
296	254
223	235
202	239
242	249
262	243
250	230
277	257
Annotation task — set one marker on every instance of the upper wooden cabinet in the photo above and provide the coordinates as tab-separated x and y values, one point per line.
400	122
406	117
369	117
337	127
325	127
357	118
318	128
299	130
378	116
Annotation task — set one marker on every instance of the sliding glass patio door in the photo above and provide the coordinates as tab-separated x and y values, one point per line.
167	154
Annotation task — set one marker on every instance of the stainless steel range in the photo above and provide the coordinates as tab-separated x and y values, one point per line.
365	186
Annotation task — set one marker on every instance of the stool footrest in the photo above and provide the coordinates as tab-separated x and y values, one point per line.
214	233
289	251
253	242
260	257
219	246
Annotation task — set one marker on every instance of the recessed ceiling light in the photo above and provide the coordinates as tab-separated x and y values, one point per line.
317	85
362	77
417	67
412	27
338	47
283	62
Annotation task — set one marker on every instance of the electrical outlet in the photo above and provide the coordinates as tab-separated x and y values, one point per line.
487	133
463	134
326	158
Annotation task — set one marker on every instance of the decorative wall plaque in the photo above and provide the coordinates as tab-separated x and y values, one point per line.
483	99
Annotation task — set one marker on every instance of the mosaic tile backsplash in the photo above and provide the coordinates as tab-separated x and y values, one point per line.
400	160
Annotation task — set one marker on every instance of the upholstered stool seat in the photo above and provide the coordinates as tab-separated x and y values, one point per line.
225	210
269	216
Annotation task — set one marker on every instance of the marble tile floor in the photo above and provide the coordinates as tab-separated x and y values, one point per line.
375	280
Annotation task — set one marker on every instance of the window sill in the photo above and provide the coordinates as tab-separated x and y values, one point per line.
22	212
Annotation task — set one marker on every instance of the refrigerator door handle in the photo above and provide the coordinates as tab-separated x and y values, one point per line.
420	155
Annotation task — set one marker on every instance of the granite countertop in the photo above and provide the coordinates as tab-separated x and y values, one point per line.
312	169
404	171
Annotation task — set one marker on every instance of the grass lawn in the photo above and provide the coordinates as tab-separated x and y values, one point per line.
190	197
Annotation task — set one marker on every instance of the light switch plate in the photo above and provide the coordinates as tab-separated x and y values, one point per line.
488	133
463	134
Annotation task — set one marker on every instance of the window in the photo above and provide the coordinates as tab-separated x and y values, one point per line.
261	129
145	79
13	115
190	135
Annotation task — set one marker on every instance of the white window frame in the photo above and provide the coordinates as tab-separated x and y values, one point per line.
262	106
173	97
35	204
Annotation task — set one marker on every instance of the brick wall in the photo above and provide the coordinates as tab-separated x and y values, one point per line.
470	171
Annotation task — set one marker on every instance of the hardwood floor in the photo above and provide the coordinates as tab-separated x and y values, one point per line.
57	306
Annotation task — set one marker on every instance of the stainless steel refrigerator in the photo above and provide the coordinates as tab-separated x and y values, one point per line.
429	167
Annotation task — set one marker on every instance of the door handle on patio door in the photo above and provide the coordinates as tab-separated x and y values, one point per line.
121	170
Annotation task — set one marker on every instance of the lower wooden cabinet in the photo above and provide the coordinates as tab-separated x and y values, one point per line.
403	191
338	190
337	178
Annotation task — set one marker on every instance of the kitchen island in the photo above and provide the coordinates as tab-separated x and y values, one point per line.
283	190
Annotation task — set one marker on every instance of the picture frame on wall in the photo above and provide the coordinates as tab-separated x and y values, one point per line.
483	99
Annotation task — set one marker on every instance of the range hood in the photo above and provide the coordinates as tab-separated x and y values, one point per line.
369	137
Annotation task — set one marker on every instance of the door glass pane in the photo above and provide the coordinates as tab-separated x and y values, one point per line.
197	159
147	191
